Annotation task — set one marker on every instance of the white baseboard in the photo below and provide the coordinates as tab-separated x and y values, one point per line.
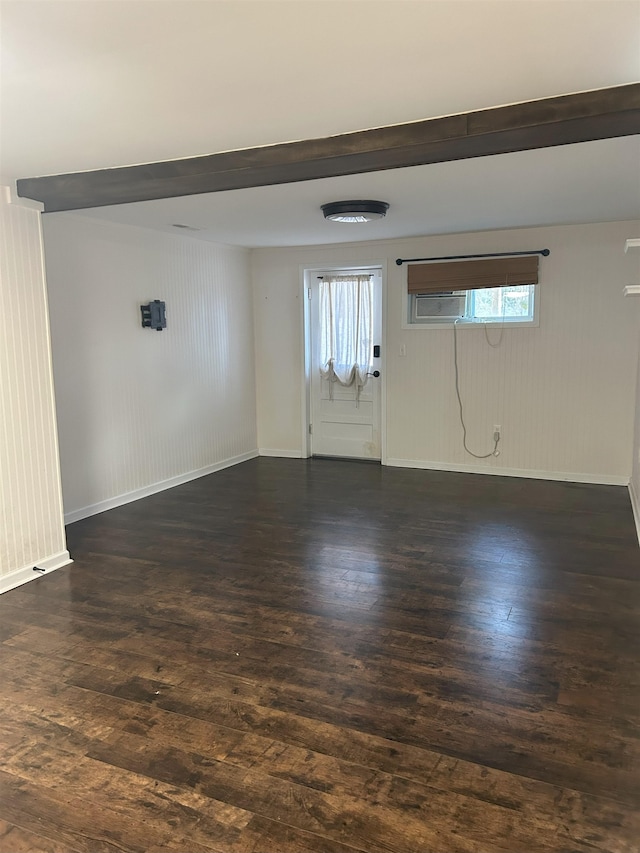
154	488
635	506
26	574
564	476
284	454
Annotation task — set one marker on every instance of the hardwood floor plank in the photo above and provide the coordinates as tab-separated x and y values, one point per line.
611	825
76	823
14	839
277	837
176	818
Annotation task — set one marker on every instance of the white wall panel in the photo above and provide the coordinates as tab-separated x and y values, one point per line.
140	409
31	527
563	391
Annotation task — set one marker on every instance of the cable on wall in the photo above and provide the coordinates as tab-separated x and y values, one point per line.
486	333
495	451
485	324
496	435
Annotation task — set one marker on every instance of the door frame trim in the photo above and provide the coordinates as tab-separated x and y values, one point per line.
306	272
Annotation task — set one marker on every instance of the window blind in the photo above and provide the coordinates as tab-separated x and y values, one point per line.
473	274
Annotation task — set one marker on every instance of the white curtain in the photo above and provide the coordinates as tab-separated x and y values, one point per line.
346	328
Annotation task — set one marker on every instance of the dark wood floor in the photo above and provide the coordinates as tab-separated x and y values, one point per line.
330	656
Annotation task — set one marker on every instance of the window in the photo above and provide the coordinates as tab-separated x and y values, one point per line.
346	328
480	290
513	304
492	304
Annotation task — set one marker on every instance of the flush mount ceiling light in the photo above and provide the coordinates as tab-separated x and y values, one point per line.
355	210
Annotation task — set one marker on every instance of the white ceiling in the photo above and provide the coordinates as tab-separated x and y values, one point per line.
92	84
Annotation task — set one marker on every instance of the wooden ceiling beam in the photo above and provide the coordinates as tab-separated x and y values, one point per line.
581	117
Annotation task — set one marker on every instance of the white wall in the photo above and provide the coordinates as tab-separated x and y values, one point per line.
31	526
140	410
563	392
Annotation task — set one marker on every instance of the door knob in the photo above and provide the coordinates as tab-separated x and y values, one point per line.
375	373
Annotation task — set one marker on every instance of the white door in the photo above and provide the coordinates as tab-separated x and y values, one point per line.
343	421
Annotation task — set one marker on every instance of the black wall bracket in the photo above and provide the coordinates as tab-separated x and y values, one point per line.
154	315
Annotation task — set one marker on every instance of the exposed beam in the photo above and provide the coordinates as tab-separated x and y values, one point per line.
582	117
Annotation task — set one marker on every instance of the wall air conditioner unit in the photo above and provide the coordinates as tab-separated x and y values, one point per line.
439	306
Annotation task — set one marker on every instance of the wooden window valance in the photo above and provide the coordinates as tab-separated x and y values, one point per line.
470	275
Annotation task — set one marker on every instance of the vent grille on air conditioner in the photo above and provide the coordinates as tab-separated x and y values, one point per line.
439	306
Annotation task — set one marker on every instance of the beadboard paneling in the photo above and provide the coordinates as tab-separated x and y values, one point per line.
31	526
563	392
138	407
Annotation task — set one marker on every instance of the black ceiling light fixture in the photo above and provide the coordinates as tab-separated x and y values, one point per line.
355	210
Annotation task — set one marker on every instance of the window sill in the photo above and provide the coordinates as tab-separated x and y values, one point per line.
474	324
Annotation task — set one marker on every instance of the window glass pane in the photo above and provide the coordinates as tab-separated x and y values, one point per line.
497	302
346	328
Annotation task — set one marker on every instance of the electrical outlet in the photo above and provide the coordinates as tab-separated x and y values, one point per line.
497	428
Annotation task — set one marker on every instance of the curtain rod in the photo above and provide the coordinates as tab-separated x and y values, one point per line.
368	274
544	252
